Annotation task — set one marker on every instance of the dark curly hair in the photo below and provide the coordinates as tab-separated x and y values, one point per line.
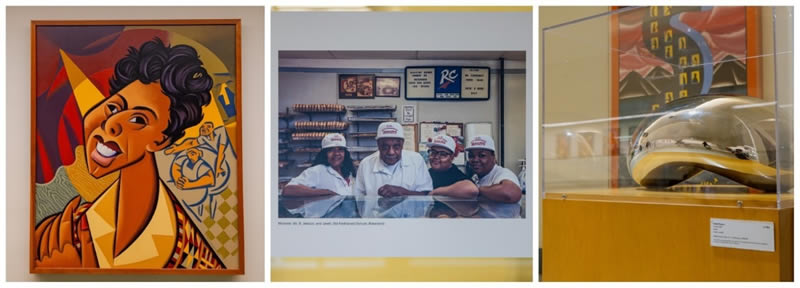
182	77
348	169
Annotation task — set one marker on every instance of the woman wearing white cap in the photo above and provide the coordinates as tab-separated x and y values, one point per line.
494	181
331	174
447	179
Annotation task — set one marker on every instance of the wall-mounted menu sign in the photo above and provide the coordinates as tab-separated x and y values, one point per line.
447	83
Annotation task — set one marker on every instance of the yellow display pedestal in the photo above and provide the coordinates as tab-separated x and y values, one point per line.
636	235
401	269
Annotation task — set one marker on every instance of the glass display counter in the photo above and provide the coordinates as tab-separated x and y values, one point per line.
339	206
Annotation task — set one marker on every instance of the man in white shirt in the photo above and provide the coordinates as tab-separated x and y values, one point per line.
392	171
494	182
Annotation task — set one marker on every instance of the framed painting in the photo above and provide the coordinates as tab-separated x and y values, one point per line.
348	86
136	147
352	86
387	86
660	54
366	86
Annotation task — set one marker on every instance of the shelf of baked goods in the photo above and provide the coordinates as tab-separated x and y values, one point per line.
321	125
371	119
358	108
319	108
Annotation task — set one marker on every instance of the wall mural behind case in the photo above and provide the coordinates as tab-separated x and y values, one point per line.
665	53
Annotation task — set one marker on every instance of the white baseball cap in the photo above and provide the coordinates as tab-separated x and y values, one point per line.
443	141
334	140
480	142
390	130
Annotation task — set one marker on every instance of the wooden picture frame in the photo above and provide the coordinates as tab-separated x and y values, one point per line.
82	75
387	86
749	16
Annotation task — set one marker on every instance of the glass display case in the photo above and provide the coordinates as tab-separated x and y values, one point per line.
673	103
657	123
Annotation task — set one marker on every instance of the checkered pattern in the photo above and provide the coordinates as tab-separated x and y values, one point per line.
222	232
191	250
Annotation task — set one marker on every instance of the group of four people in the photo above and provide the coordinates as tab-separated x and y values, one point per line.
392	171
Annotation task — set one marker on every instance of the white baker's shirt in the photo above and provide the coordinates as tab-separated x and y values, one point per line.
497	175
323	177
410	173
220	137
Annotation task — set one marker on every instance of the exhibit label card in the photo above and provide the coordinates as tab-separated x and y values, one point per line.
419	82
743	234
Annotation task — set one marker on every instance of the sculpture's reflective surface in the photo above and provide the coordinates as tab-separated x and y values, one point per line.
733	136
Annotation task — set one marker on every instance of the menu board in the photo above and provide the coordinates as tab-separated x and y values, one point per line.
475	83
447	83
419	83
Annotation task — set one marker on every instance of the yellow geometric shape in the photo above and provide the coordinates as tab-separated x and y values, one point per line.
654	43
86	94
654	27
683	61
655	107
684	78
695	76
695	59
682	43
668	51
224	92
668	97
668	35
86	185
748	167
683	93
654	11
667	11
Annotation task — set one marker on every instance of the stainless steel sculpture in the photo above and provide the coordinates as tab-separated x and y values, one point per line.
733	136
